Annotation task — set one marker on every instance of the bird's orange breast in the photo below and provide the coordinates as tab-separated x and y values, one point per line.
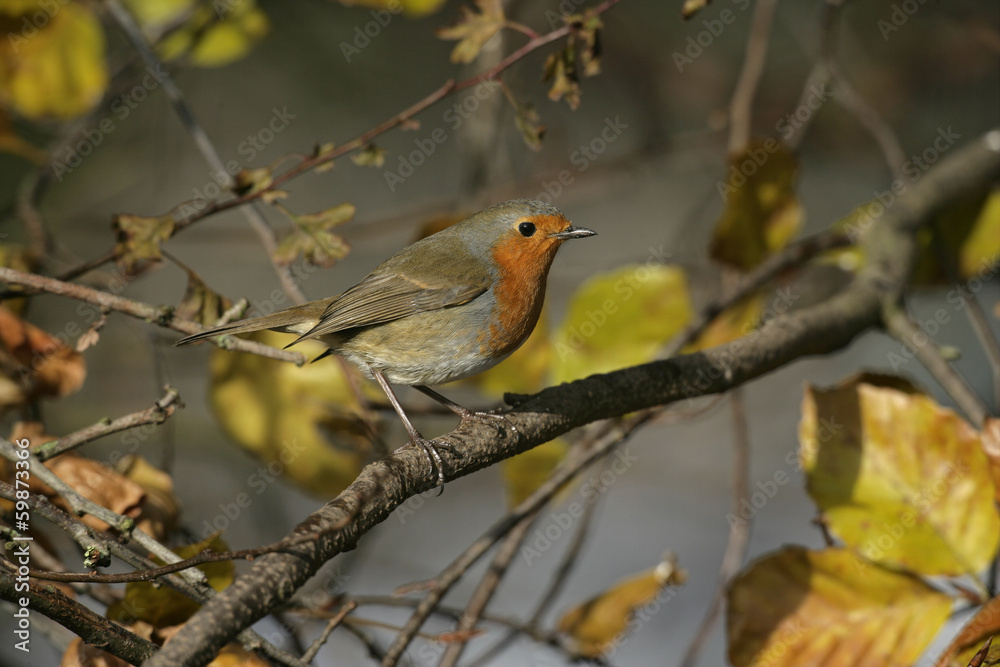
523	267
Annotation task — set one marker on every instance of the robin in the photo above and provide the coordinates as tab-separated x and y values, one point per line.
447	307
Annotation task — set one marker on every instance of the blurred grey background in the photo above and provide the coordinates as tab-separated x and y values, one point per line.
653	186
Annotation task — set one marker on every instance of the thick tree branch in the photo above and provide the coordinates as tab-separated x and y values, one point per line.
89	625
890	247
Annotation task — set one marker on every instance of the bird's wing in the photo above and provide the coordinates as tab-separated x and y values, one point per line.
391	296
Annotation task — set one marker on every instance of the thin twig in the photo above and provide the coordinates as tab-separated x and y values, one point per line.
739	531
163	316
89	625
157	414
741	106
900	327
487	587
559	579
611	436
257	223
791	255
310	655
319	158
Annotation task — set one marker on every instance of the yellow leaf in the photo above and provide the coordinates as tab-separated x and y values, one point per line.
620	319
161	606
282	414
596	624
156	14
991	447
903	481
216	33
762	212
981	248
524	473
734	322
980	628
414	8
159	508
474	29
827	609
57	71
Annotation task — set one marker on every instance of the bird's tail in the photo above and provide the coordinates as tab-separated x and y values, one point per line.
297	319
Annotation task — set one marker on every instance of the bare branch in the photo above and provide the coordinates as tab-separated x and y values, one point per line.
157	414
161	315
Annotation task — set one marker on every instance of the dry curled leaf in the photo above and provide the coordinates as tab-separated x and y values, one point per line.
35	364
560	69
596	625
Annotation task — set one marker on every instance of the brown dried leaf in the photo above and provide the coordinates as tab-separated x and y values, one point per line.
36	363
94	481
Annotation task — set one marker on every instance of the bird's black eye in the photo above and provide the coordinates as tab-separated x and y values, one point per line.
526	228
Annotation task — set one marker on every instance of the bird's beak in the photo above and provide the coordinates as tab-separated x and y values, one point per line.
573	233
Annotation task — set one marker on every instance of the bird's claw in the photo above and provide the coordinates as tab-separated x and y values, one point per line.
498	421
430	449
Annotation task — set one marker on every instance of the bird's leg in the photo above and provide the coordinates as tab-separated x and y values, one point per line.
466	414
417	440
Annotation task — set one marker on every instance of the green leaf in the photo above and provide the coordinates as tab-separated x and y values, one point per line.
370	156
312	238
560	69
139	239
620	319
474	29
762	212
